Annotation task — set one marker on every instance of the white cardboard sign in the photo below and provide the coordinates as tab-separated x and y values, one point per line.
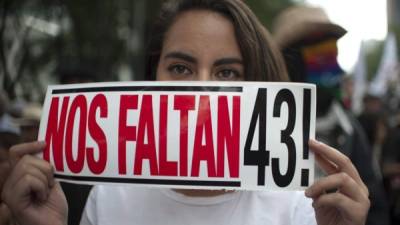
198	135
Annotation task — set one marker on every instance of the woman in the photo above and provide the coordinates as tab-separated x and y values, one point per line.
198	40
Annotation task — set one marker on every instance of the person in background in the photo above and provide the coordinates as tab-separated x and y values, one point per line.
374	121
373	104
218	40
307	39
390	163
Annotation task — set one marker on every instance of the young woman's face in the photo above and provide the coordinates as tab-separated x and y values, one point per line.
200	45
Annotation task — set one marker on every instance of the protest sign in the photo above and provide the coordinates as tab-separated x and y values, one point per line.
199	135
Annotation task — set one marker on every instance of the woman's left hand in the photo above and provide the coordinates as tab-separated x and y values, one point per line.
340	198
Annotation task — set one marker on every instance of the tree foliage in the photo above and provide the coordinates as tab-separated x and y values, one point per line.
267	10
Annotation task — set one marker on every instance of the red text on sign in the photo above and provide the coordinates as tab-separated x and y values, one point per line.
59	133
228	130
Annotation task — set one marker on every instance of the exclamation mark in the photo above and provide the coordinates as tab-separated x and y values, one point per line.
306	133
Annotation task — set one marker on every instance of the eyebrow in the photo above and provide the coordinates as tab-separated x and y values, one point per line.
191	59
181	55
230	60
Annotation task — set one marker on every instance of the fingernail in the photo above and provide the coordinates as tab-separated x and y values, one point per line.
317	143
39	144
313	141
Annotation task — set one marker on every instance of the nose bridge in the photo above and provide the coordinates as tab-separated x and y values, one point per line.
204	74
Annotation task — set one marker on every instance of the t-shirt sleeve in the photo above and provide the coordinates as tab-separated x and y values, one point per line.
89	214
304	212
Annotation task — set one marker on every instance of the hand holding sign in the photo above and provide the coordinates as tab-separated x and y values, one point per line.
30	191
349	204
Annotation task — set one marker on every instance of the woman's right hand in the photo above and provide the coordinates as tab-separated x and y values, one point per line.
31	193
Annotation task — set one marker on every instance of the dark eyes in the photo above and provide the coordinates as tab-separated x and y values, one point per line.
182	71
228	74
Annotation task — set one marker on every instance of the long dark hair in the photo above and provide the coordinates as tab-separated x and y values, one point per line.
262	59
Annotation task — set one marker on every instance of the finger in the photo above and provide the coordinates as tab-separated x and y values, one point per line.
331	154
349	209
18	151
337	200
341	181
343	162
5	214
31	186
45	167
33	166
20	195
327	166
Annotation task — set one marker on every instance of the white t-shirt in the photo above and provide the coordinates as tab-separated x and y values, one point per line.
123	205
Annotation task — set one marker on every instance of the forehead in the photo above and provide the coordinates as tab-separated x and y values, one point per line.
202	31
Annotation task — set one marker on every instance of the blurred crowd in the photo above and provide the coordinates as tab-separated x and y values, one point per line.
370	138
